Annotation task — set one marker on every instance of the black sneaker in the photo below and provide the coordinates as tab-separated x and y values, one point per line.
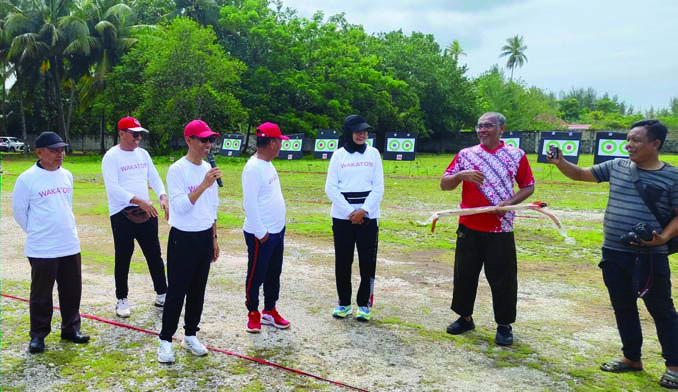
504	335
460	326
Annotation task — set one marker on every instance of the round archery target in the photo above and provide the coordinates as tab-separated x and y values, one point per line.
607	147
512	142
370	142
393	145
331	145
407	145
548	144
227	144
321	145
569	148
286	145
622	148
236	144
296	145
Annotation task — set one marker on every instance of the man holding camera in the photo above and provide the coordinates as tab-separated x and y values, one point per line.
487	173
128	170
634	253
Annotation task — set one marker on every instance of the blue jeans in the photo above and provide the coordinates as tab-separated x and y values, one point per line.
618	269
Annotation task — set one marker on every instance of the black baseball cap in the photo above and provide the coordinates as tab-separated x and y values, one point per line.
49	140
356	123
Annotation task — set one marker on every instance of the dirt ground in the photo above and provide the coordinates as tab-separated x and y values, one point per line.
404	348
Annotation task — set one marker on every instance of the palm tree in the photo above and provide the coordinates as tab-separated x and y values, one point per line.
515	50
454	50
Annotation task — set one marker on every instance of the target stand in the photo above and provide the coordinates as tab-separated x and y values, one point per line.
567	142
231	145
512	139
400	146
291	149
610	145
326	144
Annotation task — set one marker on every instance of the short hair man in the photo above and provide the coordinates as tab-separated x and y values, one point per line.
488	172
128	170
42	203
621	261
264	229
192	245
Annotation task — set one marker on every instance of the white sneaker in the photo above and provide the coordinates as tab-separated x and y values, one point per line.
122	308
160	300
165	352
192	344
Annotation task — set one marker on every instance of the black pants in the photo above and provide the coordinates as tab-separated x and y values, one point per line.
189	255
124	234
67	273
346	237
618	269
264	266
497	253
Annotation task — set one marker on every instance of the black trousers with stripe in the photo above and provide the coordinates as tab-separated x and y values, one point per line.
497	253
347	237
264	266
189	255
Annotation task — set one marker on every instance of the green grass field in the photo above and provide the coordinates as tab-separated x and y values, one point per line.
411	194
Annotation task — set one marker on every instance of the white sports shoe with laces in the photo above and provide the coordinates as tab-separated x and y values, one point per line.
192	344
122	308
165	352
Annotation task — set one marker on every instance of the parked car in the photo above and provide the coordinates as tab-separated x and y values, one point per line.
12	144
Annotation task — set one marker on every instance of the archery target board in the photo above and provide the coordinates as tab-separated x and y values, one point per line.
567	142
610	145
326	144
400	146
232	144
511	139
291	149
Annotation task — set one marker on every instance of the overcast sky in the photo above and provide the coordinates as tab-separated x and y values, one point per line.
623	47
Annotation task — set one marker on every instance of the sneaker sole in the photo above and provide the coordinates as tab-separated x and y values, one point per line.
157	305
339	316
279	326
193	352
122	315
363	319
253	330
166	361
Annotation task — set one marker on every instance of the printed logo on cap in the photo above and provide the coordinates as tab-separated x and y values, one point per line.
232	144
400	146
292	149
567	142
609	145
326	144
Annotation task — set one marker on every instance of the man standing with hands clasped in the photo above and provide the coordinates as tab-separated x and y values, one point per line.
488	172
633	267
42	203
264	229
192	243
127	170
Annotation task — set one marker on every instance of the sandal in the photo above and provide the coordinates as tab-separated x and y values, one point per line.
619	366
669	379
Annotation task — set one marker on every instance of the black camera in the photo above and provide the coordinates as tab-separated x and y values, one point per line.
639	232
553	151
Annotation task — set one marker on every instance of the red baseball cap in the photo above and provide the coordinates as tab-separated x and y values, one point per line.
132	124
268	129
198	128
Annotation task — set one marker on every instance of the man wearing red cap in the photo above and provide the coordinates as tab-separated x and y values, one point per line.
128	170
264	229
42	203
192	243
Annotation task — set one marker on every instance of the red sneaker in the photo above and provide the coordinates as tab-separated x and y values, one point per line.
254	322
272	317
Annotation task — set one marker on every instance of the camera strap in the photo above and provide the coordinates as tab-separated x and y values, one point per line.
633	171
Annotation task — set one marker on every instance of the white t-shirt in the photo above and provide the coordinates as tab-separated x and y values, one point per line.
42	203
183	177
127	174
262	198
356	172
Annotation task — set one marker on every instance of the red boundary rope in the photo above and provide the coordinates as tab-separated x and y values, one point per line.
215	349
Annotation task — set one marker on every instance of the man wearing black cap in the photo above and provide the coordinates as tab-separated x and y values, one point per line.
128	170
355	185
42	203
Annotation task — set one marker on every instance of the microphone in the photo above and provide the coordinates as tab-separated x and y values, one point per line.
210	159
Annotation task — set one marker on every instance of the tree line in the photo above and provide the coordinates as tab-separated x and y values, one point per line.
76	66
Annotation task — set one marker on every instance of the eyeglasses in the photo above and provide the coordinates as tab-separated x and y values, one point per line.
134	134
210	139
487	125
